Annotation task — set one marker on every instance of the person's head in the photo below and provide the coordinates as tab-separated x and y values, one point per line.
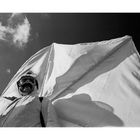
27	84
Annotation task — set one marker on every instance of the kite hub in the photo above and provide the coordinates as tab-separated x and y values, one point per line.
27	84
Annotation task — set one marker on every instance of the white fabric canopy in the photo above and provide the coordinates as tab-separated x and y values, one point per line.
108	71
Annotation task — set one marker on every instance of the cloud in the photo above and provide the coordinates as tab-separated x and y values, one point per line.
22	33
17	31
8	71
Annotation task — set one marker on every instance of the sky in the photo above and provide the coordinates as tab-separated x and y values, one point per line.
23	34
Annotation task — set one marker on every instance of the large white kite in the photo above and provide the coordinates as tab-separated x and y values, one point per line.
87	84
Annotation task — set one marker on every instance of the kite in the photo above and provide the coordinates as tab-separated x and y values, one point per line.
92	84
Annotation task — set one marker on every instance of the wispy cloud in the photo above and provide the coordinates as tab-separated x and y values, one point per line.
17	31
22	33
8	71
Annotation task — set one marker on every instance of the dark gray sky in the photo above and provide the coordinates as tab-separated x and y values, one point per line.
64	28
